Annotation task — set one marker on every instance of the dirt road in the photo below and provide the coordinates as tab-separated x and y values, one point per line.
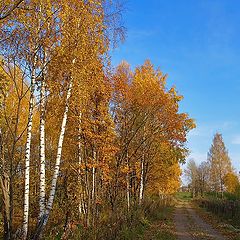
190	226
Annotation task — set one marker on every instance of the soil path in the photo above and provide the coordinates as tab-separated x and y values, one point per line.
190	226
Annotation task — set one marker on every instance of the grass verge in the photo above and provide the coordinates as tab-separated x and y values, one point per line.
222	225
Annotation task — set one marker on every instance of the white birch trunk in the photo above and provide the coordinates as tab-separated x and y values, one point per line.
141	183
28	152
142	171
59	155
42	147
94	185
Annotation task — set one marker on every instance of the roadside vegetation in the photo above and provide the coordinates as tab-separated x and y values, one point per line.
214	186
154	221
84	145
222	214
183	196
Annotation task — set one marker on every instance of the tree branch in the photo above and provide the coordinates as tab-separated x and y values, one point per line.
9	12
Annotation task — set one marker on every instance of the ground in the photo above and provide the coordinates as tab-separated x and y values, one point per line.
190	226
184	221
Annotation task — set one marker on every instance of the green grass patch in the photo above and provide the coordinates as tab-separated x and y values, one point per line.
154	222
134	232
184	196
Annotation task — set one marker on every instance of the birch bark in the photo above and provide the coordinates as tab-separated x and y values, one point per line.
28	152
44	218
59	155
141	183
142	170
94	187
80	205
42	145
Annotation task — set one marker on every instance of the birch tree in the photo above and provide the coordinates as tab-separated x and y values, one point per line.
74	46
95	142
220	163
28	151
13	125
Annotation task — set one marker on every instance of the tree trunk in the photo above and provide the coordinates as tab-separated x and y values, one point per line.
43	221
28	152
141	188
128	186
5	186
81	194
141	183
59	155
94	188
42	146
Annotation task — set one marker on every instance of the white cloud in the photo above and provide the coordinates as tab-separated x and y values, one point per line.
204	130
198	156
228	124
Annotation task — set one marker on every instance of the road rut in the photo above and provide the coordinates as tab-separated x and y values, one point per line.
190	226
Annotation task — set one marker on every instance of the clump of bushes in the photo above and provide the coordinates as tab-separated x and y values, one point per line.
223	208
123	224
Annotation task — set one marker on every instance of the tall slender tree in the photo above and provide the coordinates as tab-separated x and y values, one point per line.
220	163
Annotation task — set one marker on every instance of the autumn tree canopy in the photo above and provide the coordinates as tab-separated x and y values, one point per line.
214	175
81	142
220	163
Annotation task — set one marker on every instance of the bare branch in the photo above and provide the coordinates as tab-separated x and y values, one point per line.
9	11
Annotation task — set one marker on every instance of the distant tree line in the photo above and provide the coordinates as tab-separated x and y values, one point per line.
216	174
81	143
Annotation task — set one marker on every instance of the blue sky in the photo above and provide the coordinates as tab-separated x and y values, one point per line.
197	43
